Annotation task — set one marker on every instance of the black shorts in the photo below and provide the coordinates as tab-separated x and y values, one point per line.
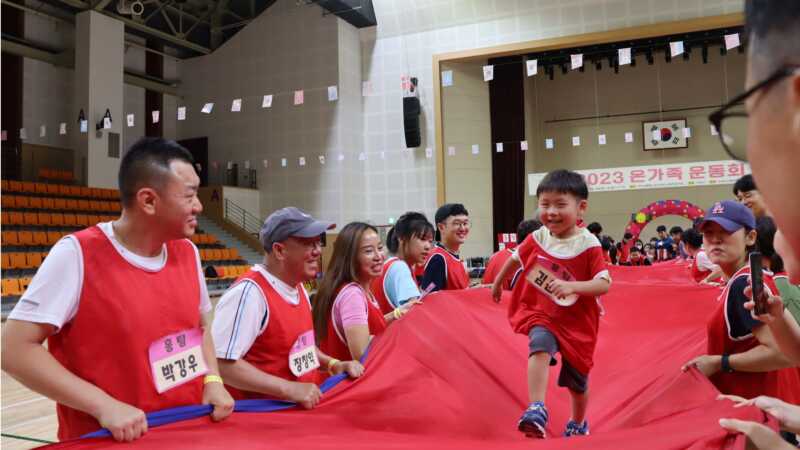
541	340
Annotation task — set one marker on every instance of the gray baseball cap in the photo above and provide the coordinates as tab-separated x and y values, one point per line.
290	221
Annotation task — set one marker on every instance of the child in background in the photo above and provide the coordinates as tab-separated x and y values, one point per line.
637	258
678	249
703	270
497	260
555	301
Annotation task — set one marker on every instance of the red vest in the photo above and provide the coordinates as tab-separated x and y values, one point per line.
456	274
783	384
123	309
270	351
335	344
378	290
697	274
496	263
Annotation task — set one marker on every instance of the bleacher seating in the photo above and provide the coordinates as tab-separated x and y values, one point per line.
36	215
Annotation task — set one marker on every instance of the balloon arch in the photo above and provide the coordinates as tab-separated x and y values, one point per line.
640	219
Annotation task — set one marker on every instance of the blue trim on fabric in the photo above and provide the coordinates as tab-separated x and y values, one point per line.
180	413
237	320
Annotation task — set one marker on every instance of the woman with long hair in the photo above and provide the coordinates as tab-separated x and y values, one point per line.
409	241
346	315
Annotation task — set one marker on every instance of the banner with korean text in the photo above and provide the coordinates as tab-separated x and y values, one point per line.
706	173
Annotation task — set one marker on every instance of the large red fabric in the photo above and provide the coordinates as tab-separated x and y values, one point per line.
452	375
121	313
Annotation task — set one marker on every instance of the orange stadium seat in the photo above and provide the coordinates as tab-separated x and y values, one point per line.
59	204
83	205
8	201
20	202
40	188
74	191
53	189
63	190
34	259
16	218
234	254
14	186
70	220
85	192
48	203
44	219
35	203
53	237
18	260
11	287
82	220
6	261
10	238
40	238
57	219
28	186
31	218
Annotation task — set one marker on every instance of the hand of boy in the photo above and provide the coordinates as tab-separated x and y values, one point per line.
561	288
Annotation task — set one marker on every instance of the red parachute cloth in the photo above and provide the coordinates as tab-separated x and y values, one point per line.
452	375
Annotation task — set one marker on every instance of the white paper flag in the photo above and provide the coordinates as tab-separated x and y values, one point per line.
207	108
366	88
383	154
428	152
732	41
576	141
130	120
23	134
601	139
629	137
451	151
322	159
488	73
533	67
283	162
447	78
156	116
676	48
265	163
577	60
106	123
230	165
84	126
523	145
299	97
624	55
714	131
476	149
247	164
62	128
687	132
340	157
182	113
548	143
267	101
333	93
498	147
302	161
42	131
236	105
362	156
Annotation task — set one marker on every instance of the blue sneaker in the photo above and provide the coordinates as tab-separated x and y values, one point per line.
576	429
534	420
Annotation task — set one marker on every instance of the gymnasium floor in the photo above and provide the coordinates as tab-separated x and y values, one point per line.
25	413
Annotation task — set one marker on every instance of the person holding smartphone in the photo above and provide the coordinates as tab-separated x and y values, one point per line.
742	357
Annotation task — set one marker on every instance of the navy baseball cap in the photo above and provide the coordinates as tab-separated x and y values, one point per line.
288	222
730	215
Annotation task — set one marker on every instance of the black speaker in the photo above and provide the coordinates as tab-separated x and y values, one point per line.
411	111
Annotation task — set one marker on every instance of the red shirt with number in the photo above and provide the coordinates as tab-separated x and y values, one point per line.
573	321
124	309
334	344
270	351
730	331
496	263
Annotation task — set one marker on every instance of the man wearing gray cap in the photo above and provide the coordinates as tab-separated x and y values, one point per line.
263	328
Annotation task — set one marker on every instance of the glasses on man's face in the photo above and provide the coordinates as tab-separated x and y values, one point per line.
730	121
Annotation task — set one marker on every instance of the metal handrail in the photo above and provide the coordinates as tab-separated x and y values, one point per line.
242	218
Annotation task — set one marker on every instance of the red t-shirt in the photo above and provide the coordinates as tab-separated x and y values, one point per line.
573	321
496	263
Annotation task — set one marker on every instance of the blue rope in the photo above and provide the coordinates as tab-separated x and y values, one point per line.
180	413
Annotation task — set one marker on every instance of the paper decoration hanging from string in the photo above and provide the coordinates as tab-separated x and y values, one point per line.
130	119
488	73
624	56
383	155
447	78
523	145
84	126
732	41
333	93
299	97
267	101
340	158
156	116
576	60
676	48
301	161
23	134
247	164
601	139
532	66
230	165
106	123
428	152
366	88
548	143
182	113
62	128
207	108
576	141
266	164
42	131
451	151
629	137
476	149
283	162
498	147
362	156
714	131
236	105
687	132
322	159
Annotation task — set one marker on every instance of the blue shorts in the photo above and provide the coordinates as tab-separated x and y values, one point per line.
541	340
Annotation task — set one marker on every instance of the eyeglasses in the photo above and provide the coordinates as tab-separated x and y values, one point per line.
730	121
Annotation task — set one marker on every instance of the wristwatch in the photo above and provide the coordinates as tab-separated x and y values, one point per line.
726	363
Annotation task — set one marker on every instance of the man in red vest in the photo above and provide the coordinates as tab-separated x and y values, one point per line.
123	306
263	325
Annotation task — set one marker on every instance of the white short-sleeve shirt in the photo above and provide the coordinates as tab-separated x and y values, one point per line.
54	294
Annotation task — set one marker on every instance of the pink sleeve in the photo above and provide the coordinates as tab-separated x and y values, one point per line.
350	307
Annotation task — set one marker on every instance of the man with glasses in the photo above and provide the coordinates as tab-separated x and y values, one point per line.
444	269
770	112
266	346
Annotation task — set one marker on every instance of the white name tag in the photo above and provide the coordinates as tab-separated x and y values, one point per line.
177	359
542	275
303	355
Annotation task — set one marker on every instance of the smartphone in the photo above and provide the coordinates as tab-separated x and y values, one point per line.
757	284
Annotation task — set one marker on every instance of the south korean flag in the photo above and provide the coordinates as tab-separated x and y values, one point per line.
664	134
